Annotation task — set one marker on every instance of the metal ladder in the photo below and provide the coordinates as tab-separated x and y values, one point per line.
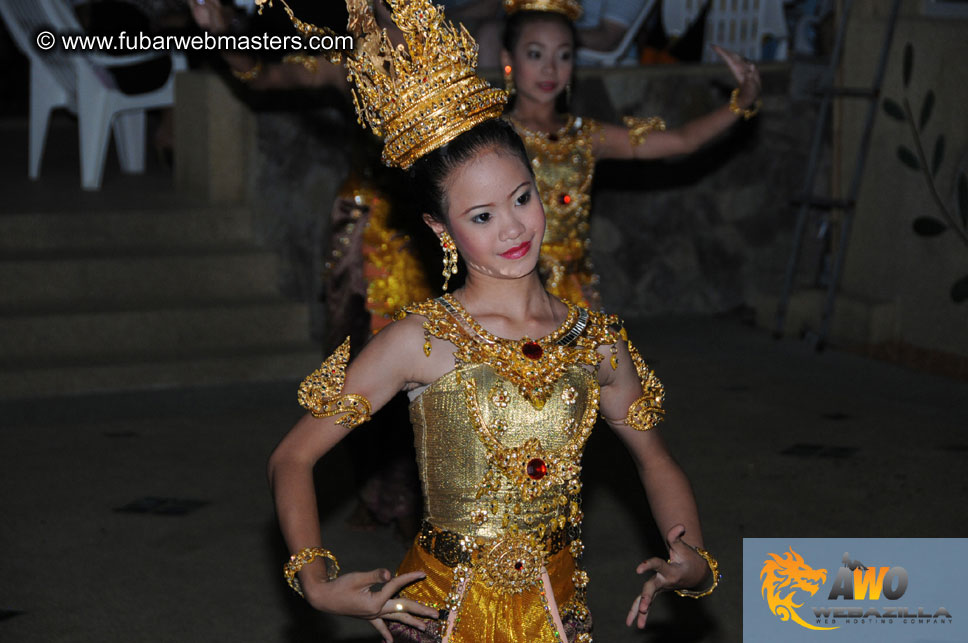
810	203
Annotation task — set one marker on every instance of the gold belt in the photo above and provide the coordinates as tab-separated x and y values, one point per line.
512	562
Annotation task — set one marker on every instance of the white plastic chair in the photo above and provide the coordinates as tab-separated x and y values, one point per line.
80	82
738	25
610	58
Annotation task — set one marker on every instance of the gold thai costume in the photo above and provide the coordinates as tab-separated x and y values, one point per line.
499	441
499	438
564	167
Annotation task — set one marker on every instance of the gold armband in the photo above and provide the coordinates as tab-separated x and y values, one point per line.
322	392
303	558
640	128
713	567
645	412
739	111
250	74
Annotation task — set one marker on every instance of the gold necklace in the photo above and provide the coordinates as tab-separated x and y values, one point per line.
533	366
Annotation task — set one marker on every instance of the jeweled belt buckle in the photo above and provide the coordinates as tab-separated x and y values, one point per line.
512	564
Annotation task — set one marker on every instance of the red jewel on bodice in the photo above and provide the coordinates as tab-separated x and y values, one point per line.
519	565
564	199
537	469
532	350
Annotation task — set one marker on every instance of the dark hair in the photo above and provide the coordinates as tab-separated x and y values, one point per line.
429	173
516	23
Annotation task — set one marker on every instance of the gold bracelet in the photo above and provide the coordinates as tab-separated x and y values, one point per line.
303	558
739	111
309	63
250	74
713	567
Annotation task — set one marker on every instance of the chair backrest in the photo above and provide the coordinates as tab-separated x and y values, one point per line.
738	25
677	16
62	15
25	19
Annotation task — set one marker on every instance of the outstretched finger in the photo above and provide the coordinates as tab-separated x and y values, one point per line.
632	612
397	583
642	605
654	564
734	61
382	628
407	606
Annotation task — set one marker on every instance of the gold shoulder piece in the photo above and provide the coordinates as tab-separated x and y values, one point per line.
640	128
321	393
645	412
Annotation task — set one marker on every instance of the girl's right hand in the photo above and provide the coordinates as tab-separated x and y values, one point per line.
370	595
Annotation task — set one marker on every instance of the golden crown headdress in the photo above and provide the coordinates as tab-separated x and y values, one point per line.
418	97
571	9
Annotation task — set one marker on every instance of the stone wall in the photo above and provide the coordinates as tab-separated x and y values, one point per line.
887	260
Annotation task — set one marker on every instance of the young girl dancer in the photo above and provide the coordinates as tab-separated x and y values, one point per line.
538	62
506	382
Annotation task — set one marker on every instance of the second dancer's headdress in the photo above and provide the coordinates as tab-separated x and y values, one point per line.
571	9
419	97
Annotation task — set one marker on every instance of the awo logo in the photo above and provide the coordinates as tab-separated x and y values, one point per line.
785	576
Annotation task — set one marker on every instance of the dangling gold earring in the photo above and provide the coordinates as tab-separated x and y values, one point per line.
509	81
450	256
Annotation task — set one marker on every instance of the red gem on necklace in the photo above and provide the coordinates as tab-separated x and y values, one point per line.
537	469
532	350
519	565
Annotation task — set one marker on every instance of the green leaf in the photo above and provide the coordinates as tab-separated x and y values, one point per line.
959	291
926	108
908	63
908	158
892	109
928	226
963	198
938	155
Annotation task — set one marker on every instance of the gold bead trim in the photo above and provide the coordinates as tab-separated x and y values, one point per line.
321	392
304	557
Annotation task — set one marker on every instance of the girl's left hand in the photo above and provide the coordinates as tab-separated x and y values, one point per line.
684	569
746	74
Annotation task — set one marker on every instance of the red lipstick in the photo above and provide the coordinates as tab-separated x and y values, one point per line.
517	251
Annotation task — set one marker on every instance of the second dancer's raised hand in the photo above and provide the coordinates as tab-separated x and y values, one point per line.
746	73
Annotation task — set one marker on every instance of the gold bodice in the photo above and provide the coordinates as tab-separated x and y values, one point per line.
564	166
475	437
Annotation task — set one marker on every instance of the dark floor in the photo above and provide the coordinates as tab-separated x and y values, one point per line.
778	441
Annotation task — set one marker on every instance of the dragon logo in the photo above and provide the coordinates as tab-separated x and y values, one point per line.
782	577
